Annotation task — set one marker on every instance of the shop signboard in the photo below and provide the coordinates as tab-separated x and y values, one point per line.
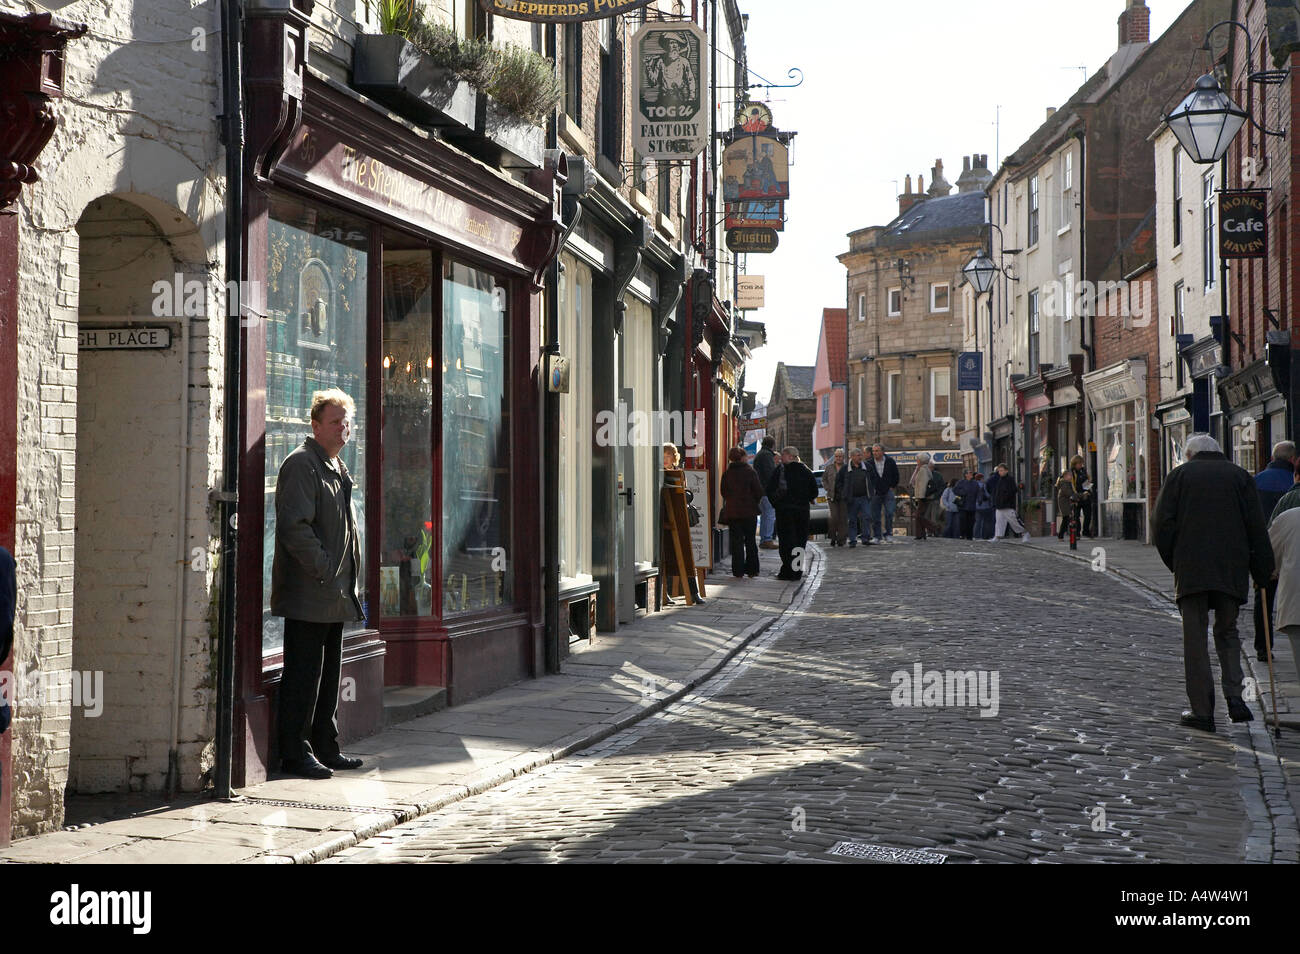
970	371
564	11
750	292
752	240
1243	224
697	482
671	118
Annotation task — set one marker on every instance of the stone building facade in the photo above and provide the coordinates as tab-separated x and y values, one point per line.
792	409
904	315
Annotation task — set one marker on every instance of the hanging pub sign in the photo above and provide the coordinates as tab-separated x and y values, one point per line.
572	11
756	166
752	240
756	215
671	118
1243	223
750	291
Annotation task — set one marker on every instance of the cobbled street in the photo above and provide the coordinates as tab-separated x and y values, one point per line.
798	744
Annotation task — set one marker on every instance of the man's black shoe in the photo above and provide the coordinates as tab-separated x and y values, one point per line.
1262	656
1238	711
305	768
1193	721
341	762
852	544
782	576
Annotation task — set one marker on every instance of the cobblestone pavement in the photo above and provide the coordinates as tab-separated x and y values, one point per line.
797	745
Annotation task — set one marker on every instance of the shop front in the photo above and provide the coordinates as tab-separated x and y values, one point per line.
1204	360
387	264
1118	399
1175	427
1254	415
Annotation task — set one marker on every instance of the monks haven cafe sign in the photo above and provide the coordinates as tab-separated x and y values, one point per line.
561	11
1243	224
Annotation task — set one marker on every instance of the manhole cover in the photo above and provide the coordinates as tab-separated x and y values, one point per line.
896	856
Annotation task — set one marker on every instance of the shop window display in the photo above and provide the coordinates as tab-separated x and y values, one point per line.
315	339
408	562
476	477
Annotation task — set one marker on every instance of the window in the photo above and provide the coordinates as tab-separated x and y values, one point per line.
665	180
895	396
315	339
826	410
637	342
1180	293
862	387
475	440
1033	211
574	448
573	71
862	307
1178	196
1033	332
894	303
1210	237
1004	203
939	296
940	394
609	104
1067	192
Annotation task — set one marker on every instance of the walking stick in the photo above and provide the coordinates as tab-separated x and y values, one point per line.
1260	594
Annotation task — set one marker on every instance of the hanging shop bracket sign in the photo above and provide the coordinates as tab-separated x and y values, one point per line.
1243	224
670	119
752	240
573	11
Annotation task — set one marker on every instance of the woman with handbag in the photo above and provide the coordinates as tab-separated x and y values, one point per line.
741	494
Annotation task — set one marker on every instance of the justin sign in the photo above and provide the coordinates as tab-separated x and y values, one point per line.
671	119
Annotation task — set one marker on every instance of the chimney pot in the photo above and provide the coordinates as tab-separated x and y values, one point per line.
907	184
1135	23
965	163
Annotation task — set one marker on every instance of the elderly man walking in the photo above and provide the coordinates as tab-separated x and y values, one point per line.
1272	483
314	578
1209	530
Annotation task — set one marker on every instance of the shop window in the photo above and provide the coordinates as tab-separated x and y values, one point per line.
408	561
1244	436
315	339
477	566
645	453
575	418
1123	452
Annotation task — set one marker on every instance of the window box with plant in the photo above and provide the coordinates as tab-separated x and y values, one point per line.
491	101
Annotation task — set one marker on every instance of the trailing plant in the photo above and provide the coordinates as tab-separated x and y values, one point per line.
522	82
525	84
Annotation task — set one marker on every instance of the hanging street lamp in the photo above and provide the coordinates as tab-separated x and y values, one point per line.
1206	122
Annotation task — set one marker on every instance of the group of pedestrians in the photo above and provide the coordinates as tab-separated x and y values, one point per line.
980	508
779	493
860	497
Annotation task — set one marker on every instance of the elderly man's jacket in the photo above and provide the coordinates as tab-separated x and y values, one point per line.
314	524
1209	528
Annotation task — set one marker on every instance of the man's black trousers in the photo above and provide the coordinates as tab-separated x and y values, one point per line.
792	529
309	690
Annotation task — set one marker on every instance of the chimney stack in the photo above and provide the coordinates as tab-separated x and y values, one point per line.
1135	24
1051	111
975	176
938	184
908	198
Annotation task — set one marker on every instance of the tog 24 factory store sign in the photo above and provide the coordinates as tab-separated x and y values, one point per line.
671	118
573	11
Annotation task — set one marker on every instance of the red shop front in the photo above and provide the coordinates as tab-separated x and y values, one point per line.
384	262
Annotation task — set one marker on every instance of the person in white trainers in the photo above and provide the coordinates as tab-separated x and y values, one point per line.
1004	506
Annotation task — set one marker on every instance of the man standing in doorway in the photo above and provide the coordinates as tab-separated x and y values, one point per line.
764	465
314	587
883	473
1271	483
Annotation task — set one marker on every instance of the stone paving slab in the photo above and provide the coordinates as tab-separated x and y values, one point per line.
430	762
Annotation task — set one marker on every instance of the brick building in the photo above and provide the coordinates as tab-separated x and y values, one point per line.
791	410
904	325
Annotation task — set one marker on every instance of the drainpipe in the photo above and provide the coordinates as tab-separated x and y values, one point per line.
232	126
172	784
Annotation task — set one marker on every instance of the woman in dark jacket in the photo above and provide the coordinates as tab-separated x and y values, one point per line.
741	494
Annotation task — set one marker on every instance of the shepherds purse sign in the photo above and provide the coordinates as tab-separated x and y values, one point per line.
572	11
